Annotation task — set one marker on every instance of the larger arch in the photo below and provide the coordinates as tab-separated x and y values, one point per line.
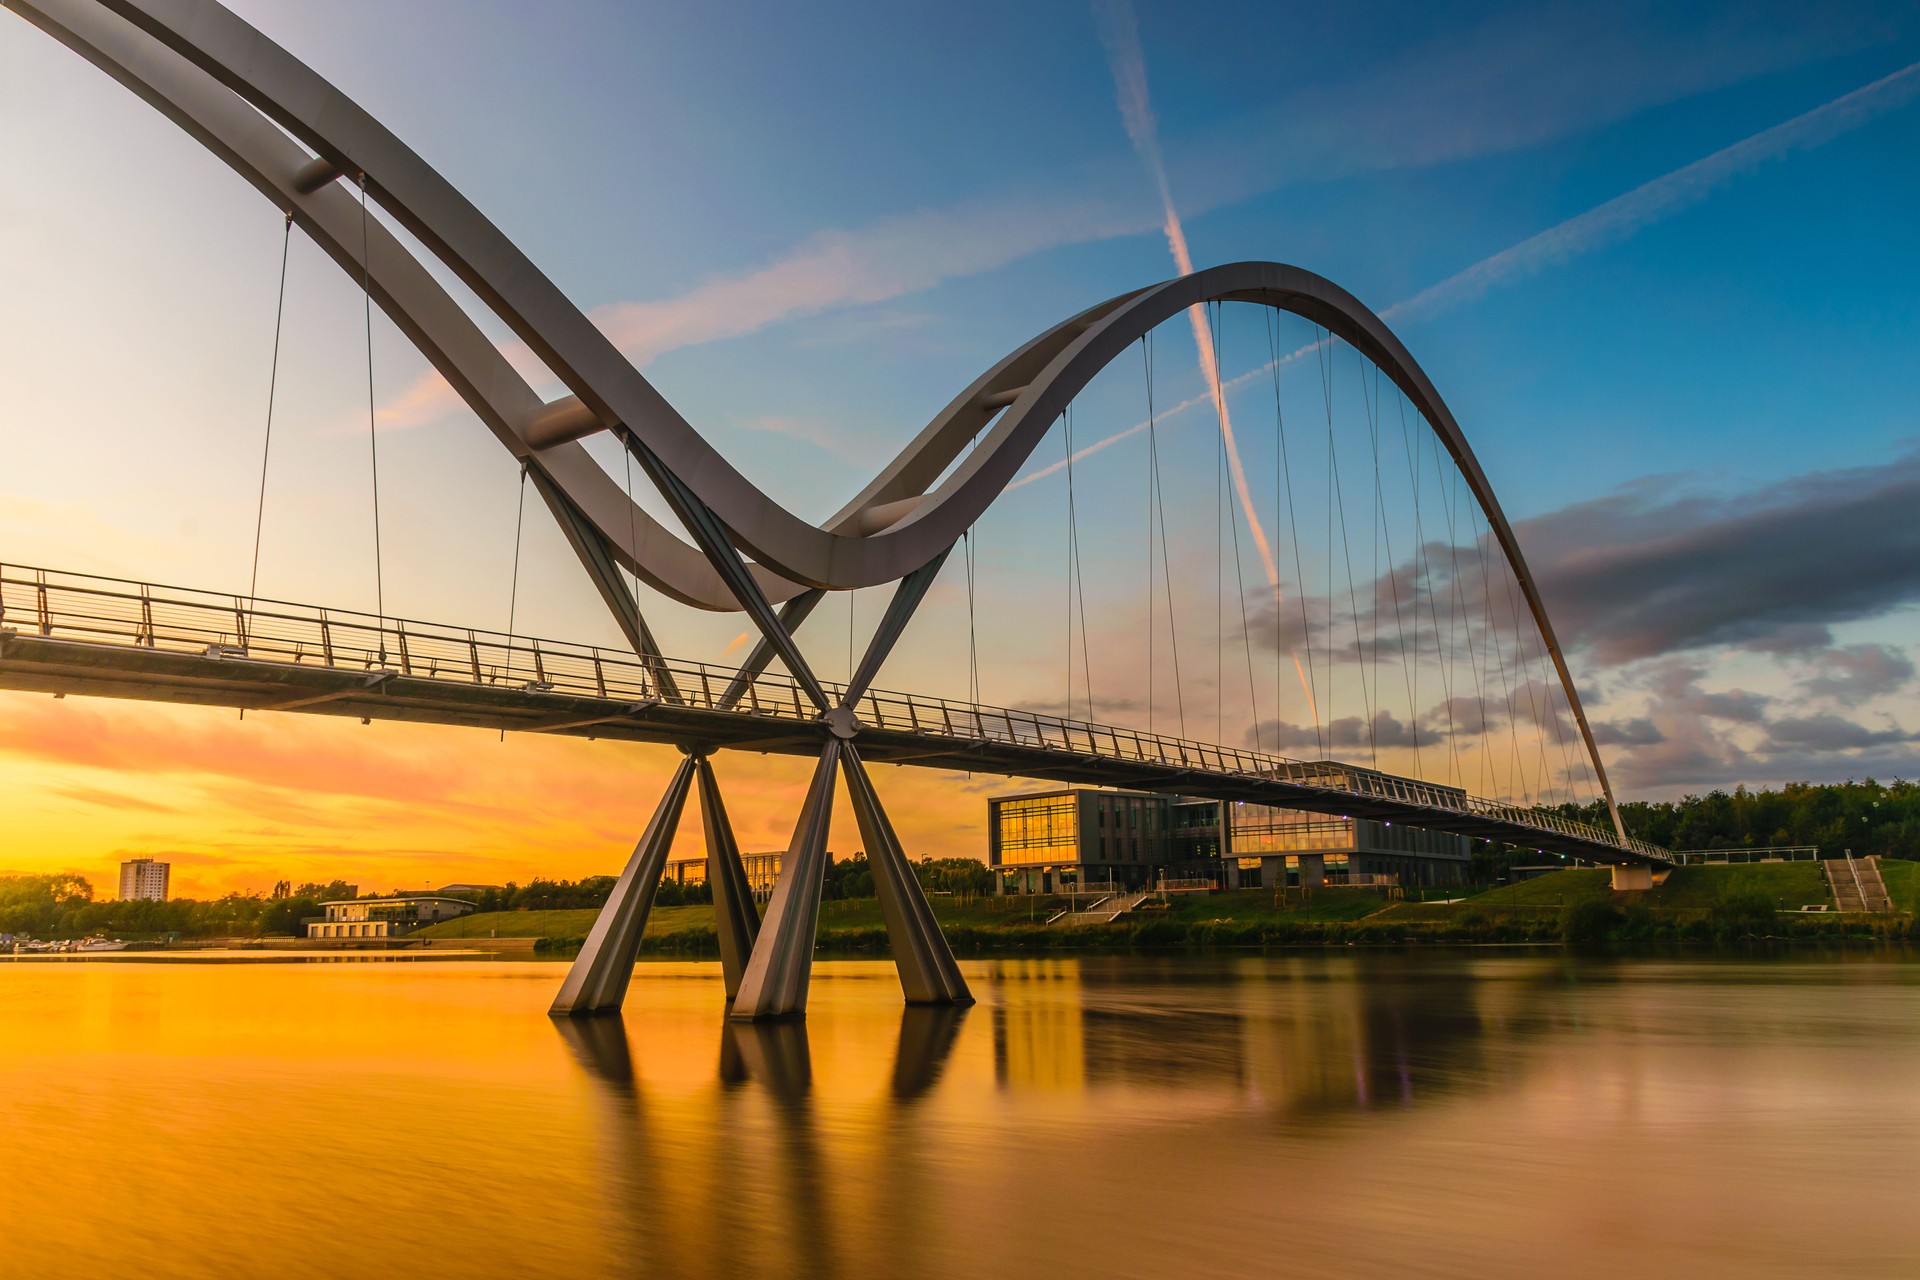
293	136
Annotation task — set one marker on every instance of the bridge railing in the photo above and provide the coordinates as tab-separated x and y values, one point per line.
109	611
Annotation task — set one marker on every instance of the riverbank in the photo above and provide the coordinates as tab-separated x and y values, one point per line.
1696	904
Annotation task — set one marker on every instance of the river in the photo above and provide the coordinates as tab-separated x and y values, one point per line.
1444	1114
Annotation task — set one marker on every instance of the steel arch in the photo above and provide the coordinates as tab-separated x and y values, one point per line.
236	91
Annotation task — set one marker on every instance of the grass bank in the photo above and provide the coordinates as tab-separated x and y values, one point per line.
1696	904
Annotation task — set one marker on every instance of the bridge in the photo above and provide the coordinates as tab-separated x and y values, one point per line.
323	162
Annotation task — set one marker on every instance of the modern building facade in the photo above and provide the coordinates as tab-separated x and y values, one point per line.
763	871
384	917
145	879
1075	838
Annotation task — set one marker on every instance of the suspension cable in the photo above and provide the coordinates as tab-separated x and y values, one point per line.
1353	597
1499	649
1146	364
1285	467
1450	487
1079	582
373	441
1393	578
973	644
1166	567
273	382
513	591
1233	523
1221	501
1414	445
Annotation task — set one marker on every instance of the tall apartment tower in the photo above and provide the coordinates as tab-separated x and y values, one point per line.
144	878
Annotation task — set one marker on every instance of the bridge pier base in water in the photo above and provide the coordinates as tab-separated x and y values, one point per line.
1634	877
778	972
597	982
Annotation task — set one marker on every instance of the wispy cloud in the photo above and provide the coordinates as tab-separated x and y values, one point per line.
1574	68
1603	225
1664	196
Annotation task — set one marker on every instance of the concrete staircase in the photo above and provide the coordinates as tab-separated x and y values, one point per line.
1103	910
1856	884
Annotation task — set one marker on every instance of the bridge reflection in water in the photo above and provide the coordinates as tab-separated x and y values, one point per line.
1108	1116
834	1168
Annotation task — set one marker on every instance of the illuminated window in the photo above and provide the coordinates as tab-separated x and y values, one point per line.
1038	829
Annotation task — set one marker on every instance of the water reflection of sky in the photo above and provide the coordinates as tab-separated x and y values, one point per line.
1319	1115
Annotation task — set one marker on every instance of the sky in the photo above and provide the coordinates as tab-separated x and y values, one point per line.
1658	258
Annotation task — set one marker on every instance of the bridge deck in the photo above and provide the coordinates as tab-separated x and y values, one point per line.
81	635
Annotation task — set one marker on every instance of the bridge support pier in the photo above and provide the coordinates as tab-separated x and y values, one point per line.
736	918
928	974
597	983
775	982
1632	877
777	973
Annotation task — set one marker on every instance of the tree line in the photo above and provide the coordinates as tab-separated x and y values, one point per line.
1870	818
63	906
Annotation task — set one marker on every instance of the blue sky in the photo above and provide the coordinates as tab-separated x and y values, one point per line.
812	225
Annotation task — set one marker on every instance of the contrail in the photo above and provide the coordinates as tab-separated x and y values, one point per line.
1602	225
1623	215
1231	384
1121	36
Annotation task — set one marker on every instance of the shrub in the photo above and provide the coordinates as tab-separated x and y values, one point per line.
1589	924
1744	912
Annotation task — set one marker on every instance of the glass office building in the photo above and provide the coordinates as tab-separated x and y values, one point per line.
1077	838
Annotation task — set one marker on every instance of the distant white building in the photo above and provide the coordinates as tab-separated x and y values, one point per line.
143	878
385	917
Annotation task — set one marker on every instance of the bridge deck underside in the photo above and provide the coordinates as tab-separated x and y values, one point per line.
35	664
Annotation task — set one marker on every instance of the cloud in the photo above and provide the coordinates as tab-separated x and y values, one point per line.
1859	673
1691	737
105	799
1383	730
1656	569
1828	732
1516	81
1605	224
1641	732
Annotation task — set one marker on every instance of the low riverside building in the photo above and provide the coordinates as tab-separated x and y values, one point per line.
1052	841
384	917
763	871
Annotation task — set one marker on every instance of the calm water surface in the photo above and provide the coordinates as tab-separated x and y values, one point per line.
1447	1115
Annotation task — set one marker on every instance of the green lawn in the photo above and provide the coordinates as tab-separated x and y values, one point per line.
861	915
1259	906
1790	884
1256	913
1903	883
854	914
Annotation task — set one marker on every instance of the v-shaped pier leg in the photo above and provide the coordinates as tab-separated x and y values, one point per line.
928	974
597	983
736	918
775	983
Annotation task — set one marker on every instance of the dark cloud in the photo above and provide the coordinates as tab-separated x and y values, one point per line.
1858	673
1692	738
1656	569
1641	732
1827	732
1387	730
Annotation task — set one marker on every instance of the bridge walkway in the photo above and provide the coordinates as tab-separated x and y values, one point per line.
89	636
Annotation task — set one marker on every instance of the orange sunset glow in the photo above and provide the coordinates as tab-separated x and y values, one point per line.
236	804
